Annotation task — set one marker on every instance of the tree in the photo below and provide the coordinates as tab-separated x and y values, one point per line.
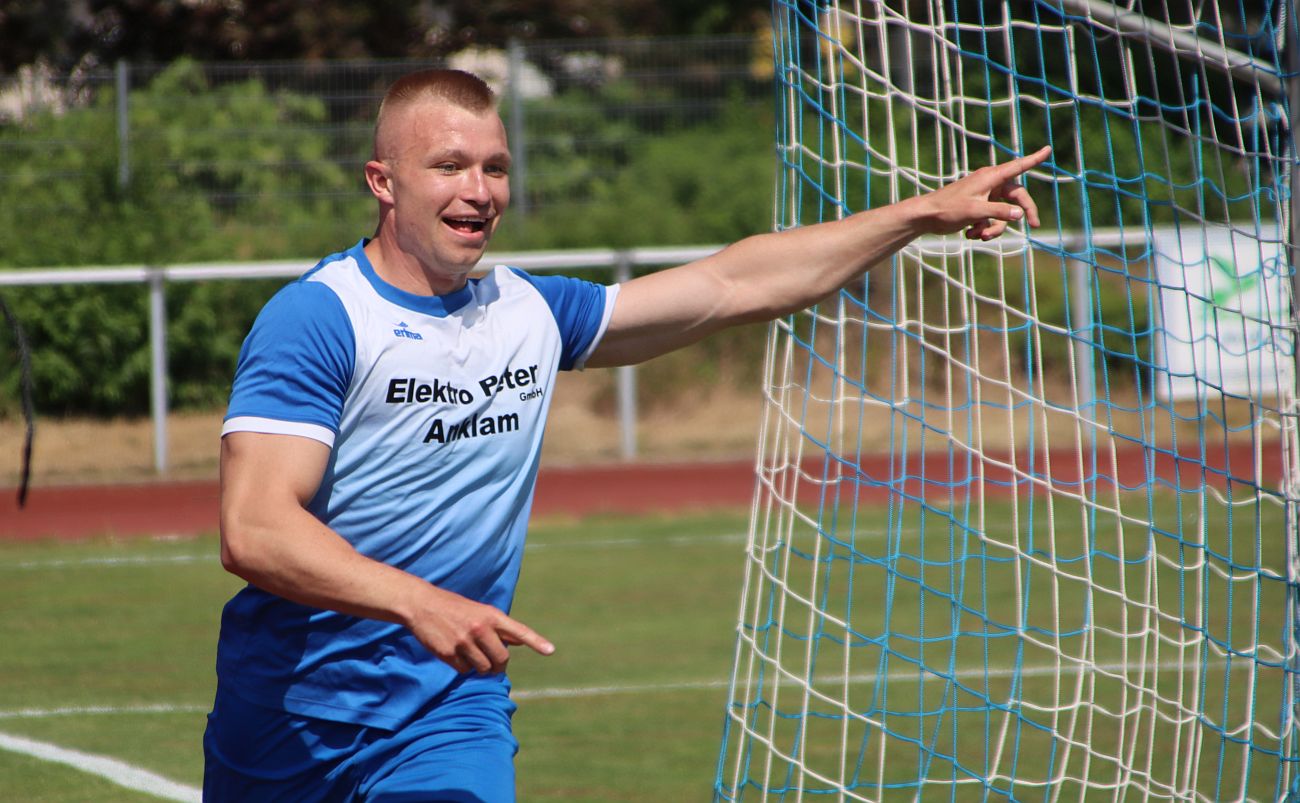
66	34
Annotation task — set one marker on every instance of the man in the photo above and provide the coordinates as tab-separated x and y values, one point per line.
381	446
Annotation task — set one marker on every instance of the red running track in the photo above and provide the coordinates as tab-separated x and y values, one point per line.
190	508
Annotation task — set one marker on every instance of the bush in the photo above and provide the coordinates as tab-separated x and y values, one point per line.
90	343
191	197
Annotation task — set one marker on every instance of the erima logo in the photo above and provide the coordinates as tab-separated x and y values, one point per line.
402	331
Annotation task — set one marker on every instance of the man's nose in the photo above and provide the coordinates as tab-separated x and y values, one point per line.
475	187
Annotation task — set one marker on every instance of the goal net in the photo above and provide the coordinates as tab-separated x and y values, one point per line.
1025	525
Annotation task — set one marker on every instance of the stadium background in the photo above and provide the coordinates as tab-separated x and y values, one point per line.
168	161
133	135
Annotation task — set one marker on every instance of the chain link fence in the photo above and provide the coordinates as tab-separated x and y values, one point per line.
618	144
262	147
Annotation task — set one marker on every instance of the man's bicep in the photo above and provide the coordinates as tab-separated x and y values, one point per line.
259	468
662	312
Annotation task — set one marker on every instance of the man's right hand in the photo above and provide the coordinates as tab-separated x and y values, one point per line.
470	636
269	539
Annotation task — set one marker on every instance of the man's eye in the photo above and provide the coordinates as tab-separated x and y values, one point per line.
497	170
445	167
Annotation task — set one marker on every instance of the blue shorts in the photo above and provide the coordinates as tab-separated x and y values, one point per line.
458	750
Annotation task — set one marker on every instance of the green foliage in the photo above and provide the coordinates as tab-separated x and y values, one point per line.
90	344
702	184
82	215
192	197
89	348
207	322
571	146
190	137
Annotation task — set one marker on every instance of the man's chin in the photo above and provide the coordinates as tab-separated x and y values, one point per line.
467	258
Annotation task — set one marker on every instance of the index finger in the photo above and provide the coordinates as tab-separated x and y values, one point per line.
1016	167
514	632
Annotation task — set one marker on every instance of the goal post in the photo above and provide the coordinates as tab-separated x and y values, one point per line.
1025	522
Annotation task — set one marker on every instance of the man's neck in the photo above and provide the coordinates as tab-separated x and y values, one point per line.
407	273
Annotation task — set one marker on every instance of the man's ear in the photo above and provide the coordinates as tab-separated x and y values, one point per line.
379	179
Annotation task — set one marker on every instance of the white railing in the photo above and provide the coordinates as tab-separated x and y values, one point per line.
1073	247
621	261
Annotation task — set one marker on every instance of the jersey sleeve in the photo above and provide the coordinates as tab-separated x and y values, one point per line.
581	310
295	366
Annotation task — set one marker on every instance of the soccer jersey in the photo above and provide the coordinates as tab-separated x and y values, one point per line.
433	408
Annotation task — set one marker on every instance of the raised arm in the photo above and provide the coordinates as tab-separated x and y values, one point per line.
269	539
774	274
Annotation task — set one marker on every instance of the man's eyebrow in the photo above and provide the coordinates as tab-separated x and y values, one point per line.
458	155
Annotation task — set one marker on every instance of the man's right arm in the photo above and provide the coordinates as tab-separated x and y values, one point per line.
777	273
270	539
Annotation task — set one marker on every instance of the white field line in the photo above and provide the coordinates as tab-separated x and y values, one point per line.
119	772
133	777
865	677
622	688
140	560
83	710
211	557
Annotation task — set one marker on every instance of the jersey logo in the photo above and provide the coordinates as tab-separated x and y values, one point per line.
402	331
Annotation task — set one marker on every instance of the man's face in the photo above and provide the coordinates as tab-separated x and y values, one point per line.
450	182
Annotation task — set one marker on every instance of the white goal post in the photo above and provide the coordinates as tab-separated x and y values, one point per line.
1025	525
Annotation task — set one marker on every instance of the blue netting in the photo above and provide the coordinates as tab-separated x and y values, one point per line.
1026	523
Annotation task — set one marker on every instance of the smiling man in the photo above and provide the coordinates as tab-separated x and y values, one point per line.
441	174
381	447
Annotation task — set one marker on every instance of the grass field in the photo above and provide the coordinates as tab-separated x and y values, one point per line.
630	707
108	647
1144	652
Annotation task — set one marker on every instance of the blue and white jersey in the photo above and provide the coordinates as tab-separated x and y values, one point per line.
433	407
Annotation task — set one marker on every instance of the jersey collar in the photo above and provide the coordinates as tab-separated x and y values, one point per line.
437	306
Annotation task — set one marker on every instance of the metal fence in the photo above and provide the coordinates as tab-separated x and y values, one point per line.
251	135
623	263
259	161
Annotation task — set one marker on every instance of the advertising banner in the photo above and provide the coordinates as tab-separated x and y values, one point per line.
1225	317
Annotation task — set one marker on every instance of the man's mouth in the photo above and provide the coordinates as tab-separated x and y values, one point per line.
466	225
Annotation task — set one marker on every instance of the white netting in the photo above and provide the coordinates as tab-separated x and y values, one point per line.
1025	527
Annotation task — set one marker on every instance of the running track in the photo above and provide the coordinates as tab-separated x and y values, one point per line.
190	508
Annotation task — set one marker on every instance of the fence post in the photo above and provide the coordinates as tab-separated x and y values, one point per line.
122	73
518	134
626	376
158	366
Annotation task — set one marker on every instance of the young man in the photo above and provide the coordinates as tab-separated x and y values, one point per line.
381	446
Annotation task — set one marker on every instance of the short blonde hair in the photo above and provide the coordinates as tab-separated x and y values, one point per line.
457	87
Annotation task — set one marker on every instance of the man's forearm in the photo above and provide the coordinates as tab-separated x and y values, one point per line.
269	538
295	556
302	560
770	275
777	273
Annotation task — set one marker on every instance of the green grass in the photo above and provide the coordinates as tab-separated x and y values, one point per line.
643	611
966	600
627	602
